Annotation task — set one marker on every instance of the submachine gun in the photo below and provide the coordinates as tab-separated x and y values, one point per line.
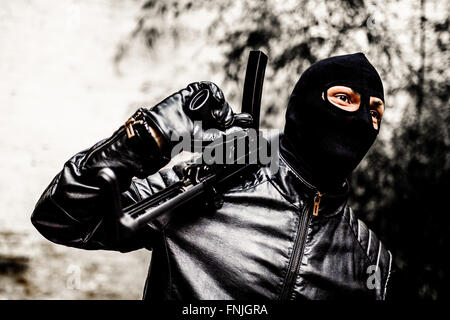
198	179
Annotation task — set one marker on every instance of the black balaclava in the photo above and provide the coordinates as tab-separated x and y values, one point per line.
321	141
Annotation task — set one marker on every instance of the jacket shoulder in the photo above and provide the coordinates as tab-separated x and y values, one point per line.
379	257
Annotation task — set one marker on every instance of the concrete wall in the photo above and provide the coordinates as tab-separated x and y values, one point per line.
60	92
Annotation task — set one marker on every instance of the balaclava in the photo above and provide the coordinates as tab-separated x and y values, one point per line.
321	141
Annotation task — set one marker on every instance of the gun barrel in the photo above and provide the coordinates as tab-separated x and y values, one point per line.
152	213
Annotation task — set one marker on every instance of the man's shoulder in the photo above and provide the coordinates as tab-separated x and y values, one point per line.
378	255
367	239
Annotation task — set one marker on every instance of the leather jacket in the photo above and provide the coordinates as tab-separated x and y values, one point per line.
263	243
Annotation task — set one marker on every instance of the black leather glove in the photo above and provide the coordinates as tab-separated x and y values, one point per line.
133	151
179	115
130	151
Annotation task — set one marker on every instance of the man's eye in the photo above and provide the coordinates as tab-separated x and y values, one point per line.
375	114
343	97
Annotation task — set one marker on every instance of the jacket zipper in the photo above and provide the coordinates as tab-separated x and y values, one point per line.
299	246
104	144
128	127
317	198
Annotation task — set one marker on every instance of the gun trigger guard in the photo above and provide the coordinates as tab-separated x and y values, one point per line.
194	173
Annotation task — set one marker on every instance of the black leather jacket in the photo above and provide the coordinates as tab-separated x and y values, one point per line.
264	243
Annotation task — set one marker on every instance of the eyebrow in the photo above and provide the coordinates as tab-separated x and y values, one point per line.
379	104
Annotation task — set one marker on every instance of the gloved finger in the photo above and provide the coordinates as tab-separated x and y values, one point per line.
243	120
214	89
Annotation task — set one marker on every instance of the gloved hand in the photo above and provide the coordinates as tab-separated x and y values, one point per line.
179	115
134	150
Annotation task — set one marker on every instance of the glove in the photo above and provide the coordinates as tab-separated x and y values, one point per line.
130	152
190	112
133	151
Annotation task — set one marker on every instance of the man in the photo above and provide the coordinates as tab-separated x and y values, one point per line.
287	234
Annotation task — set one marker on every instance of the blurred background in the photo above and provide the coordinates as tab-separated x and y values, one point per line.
73	71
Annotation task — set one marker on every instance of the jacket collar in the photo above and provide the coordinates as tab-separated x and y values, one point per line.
300	192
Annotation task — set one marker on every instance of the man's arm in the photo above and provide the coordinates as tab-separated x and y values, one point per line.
71	210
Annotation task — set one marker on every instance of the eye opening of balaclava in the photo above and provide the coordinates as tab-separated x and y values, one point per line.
323	142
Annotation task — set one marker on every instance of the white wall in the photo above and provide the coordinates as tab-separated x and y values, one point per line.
60	93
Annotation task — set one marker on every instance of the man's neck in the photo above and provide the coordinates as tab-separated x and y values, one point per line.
328	183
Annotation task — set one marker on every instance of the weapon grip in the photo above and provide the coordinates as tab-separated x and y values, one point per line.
110	190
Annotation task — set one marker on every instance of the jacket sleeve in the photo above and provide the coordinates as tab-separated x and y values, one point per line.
72	209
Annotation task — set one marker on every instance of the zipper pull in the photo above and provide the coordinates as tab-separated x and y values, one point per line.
317	198
129	125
